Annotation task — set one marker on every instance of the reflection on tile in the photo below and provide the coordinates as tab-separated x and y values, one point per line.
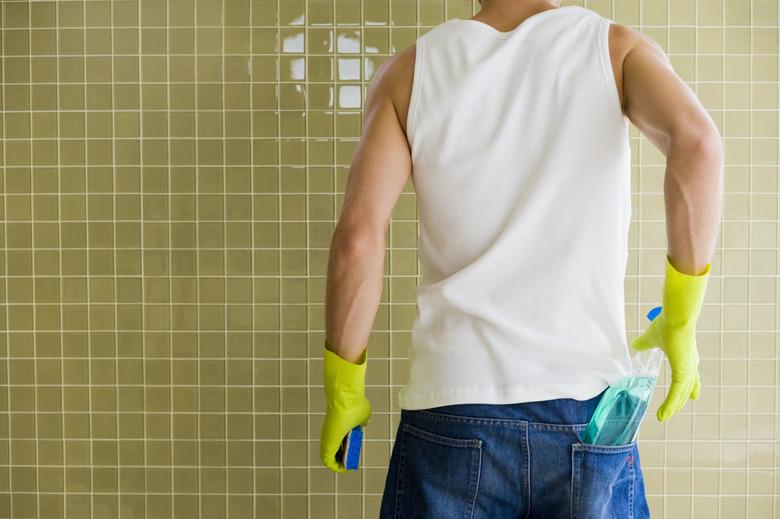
293	69
292	12
348	69
348	41
292	41
349	96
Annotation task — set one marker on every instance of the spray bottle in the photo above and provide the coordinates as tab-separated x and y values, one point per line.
621	409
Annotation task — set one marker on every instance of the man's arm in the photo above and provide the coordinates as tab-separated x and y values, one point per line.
665	109
380	169
662	106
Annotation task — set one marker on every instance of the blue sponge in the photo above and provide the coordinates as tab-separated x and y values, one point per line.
350	450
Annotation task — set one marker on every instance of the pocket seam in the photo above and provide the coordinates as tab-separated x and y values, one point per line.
575	489
578	427
443	440
474	487
631	490
606	449
631	495
399	477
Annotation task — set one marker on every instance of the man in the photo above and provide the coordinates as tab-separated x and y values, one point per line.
513	125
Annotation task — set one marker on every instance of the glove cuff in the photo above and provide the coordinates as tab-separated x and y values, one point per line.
683	294
343	378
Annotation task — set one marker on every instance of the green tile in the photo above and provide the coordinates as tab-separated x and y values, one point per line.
217	170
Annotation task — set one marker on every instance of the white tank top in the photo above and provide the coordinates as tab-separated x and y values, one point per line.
521	165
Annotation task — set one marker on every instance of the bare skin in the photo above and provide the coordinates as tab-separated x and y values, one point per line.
662	106
653	97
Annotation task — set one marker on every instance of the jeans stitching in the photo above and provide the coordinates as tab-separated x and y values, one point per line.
606	449
527	447
557	426
631	491
440	439
399	475
574	491
474	485
469	419
433	415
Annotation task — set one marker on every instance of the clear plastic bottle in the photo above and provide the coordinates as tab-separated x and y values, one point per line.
621	409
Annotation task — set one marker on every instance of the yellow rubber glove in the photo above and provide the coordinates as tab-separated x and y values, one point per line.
674	331
346	404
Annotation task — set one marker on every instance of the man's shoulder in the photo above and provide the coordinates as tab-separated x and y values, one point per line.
394	78
623	38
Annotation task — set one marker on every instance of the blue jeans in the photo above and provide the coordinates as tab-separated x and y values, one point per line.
523	460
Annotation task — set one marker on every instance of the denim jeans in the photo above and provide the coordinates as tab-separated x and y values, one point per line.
523	460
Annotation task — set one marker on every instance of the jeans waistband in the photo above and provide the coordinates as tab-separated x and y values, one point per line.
555	411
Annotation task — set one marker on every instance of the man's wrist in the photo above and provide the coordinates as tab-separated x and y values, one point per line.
360	361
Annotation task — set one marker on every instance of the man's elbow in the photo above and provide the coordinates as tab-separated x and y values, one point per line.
704	146
710	146
357	242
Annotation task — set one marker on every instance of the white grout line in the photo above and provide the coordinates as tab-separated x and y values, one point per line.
777	291
116	281
59	255
171	360
750	262
226	342
309	390
252	267
143	245
86	254
279	169
31	131
197	249
722	266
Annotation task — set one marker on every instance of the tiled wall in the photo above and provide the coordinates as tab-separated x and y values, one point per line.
171	174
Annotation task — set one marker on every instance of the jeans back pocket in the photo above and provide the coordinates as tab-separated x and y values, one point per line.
438	476
603	479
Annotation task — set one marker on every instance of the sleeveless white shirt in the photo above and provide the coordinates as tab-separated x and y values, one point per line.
521	166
